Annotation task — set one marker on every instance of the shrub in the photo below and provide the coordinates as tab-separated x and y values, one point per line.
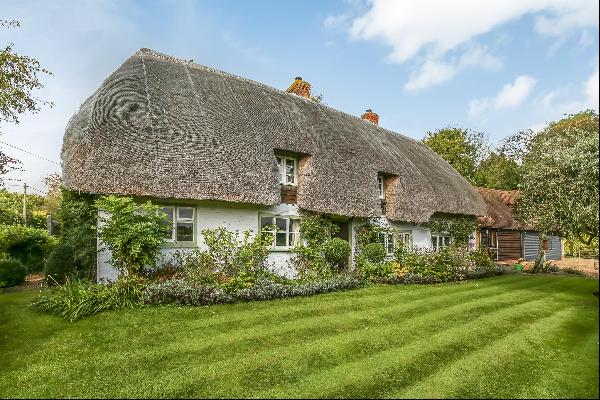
78	215
29	245
132	232
310	261
182	293
336	252
60	265
373	271
78	299
448	264
228	261
12	272
374	252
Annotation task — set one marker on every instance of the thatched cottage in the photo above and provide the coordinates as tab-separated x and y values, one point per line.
505	237
220	150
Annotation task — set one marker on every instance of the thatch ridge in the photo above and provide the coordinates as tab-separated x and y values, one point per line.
166	127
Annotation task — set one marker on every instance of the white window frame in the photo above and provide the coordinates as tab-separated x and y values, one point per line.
381	186
439	239
282	169
288	224
177	219
405	237
387	239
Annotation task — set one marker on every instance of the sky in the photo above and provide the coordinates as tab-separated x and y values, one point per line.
495	66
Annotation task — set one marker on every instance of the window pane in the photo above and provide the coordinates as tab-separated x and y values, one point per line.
446	241
281	224
390	244
185	213
381	187
280	169
280	239
434	242
185	231
290	170
266	221
168	222
169	212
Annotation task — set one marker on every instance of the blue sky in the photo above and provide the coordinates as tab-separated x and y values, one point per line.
493	66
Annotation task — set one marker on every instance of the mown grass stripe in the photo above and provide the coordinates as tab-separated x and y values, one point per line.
401	366
510	373
223	317
224	346
268	369
401	333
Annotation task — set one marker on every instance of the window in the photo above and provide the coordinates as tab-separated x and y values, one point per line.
387	239
381	186
439	241
405	239
390	240
287	167
286	233
181	220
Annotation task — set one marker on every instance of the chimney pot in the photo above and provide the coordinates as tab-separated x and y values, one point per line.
299	87
370	116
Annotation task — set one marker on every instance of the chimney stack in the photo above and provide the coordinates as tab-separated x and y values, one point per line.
370	116
300	87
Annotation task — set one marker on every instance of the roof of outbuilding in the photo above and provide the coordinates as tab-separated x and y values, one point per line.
499	206
164	127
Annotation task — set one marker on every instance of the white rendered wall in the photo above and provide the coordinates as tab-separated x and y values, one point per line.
244	217
213	215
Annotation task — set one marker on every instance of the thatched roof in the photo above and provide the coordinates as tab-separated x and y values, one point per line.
499	206
164	127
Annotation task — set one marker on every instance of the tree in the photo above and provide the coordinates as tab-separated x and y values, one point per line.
18	79
132	232
462	148
559	191
53	182
498	171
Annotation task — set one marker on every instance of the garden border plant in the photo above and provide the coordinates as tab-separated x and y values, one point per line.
233	267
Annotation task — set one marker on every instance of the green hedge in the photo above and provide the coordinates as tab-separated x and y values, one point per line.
12	272
29	245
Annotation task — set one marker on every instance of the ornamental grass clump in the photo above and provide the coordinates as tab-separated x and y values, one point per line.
77	298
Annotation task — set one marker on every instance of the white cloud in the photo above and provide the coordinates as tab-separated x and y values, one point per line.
431	29
571	98
433	72
591	89
511	95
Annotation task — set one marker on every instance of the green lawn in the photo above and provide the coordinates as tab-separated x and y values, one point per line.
511	336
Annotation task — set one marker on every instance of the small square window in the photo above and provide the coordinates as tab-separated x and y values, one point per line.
286	231
287	170
180	221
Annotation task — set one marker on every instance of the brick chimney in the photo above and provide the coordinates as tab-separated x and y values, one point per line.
370	116
300	87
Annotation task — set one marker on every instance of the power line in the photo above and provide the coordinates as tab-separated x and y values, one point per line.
28	152
28	186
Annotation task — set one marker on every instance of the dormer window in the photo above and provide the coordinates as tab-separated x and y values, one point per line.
288	170
381	186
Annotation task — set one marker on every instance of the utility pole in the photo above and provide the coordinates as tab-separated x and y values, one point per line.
24	203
